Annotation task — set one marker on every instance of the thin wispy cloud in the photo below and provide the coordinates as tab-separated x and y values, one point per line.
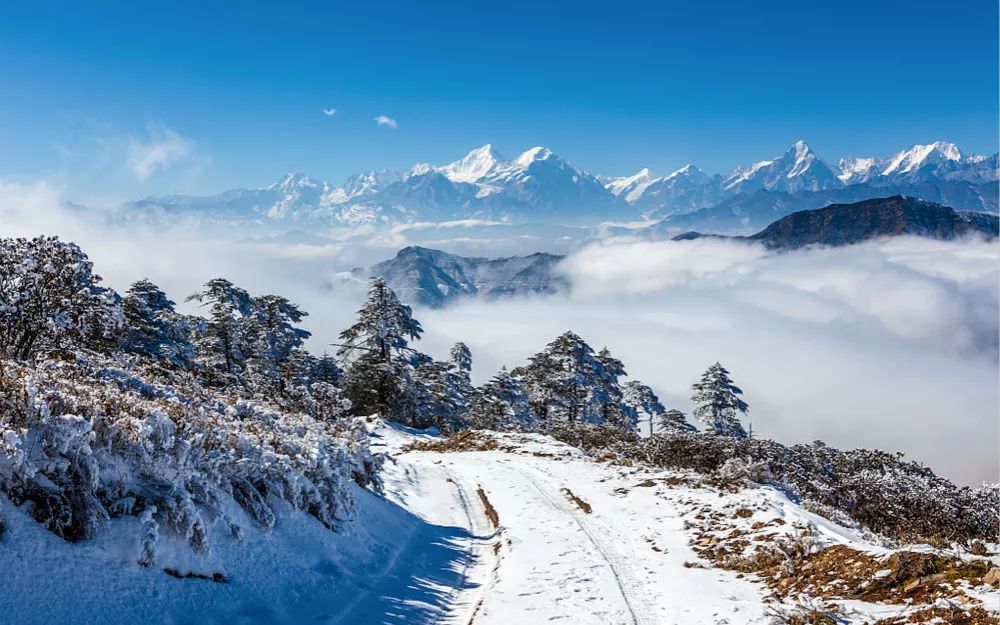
385	120
330	112
160	150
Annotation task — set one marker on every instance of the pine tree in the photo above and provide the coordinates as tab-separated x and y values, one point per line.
154	328
717	400
501	404
440	396
50	299
271	340
568	382
221	344
564	381
674	420
384	327
461	356
608	394
326	369
379	360
536	378
644	402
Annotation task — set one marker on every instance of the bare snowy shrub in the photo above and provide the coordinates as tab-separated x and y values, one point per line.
806	612
83	442
736	473
883	492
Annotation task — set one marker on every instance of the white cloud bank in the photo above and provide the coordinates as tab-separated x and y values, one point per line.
890	345
386	121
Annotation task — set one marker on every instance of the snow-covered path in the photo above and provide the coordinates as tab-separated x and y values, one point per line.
432	575
552	560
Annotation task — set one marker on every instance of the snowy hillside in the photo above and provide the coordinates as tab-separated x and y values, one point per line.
501	528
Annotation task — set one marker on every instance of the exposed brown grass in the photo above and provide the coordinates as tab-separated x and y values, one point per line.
946	616
491	512
581	504
468	440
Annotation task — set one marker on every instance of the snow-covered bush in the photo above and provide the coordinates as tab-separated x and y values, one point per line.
738	472
881	491
83	441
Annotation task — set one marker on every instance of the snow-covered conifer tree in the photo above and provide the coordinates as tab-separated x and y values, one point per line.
717	400
440	395
153	327
644	402
221	343
675	420
271	339
567	382
461	356
326	369
501	404
50	299
378	356
608	395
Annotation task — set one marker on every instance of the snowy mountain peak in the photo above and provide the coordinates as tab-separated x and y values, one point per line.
294	181
857	169
804	158
801	148
743	174
688	170
473	165
919	155
798	169
369	182
419	169
537	153
629	184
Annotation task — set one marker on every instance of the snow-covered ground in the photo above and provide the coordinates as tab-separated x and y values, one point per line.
557	562
580	541
573	540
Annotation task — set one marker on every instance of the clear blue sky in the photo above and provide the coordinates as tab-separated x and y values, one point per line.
611	86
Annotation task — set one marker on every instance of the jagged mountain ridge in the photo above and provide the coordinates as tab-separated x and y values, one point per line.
749	212
434	278
538	185
847	224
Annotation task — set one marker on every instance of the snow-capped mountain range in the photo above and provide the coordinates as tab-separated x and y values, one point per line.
540	186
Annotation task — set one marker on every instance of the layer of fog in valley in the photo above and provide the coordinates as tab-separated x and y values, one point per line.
890	344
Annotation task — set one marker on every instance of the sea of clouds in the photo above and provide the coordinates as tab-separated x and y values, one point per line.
892	344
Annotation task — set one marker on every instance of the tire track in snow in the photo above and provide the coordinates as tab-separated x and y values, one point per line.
630	589
479	528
